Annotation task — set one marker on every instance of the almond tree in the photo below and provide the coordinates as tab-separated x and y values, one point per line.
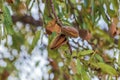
83	36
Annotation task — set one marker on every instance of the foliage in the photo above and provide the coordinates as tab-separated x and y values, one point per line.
76	35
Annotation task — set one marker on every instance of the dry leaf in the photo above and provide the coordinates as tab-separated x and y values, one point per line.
53	64
115	20
85	34
73	66
10	1
52	26
58	41
66	76
70	31
1	12
22	8
106	58
113	30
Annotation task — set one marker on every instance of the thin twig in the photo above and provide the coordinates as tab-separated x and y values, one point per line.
31	5
27	20
69	47
53	11
39	10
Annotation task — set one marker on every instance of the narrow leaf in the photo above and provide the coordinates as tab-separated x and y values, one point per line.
99	58
35	40
18	40
107	68
85	52
7	20
79	67
85	76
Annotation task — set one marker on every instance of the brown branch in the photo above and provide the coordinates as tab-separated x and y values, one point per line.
27	20
69	47
53	11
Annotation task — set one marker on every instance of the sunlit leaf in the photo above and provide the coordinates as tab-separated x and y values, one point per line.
35	40
85	76
73	1
99	58
73	66
79	67
115	5
81	70
107	68
85	52
7	20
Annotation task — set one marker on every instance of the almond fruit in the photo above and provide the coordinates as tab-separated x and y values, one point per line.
52	26
70	31
58	41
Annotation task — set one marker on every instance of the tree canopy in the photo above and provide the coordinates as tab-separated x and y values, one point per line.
81	37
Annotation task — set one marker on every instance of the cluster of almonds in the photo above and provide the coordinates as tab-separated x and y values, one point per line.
62	34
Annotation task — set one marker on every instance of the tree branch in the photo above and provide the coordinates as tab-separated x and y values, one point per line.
53	11
27	20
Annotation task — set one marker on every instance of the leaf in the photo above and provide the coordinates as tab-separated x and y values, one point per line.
18	40
73	66
7	20
54	54
113	29
28	2
85	76
79	67
102	34
99	58
86	2
10	1
37	63
73	1
35	40
85	52
107	69
74	54
81	70
119	59
115	5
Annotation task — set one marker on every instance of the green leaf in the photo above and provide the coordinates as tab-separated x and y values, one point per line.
54	54
107	68
81	71
79	67
115	5
52	36
73	2
99	58
37	63
35	40
28	2
85	52
18	40
7	20
86	3
74	54
85	76
119	59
